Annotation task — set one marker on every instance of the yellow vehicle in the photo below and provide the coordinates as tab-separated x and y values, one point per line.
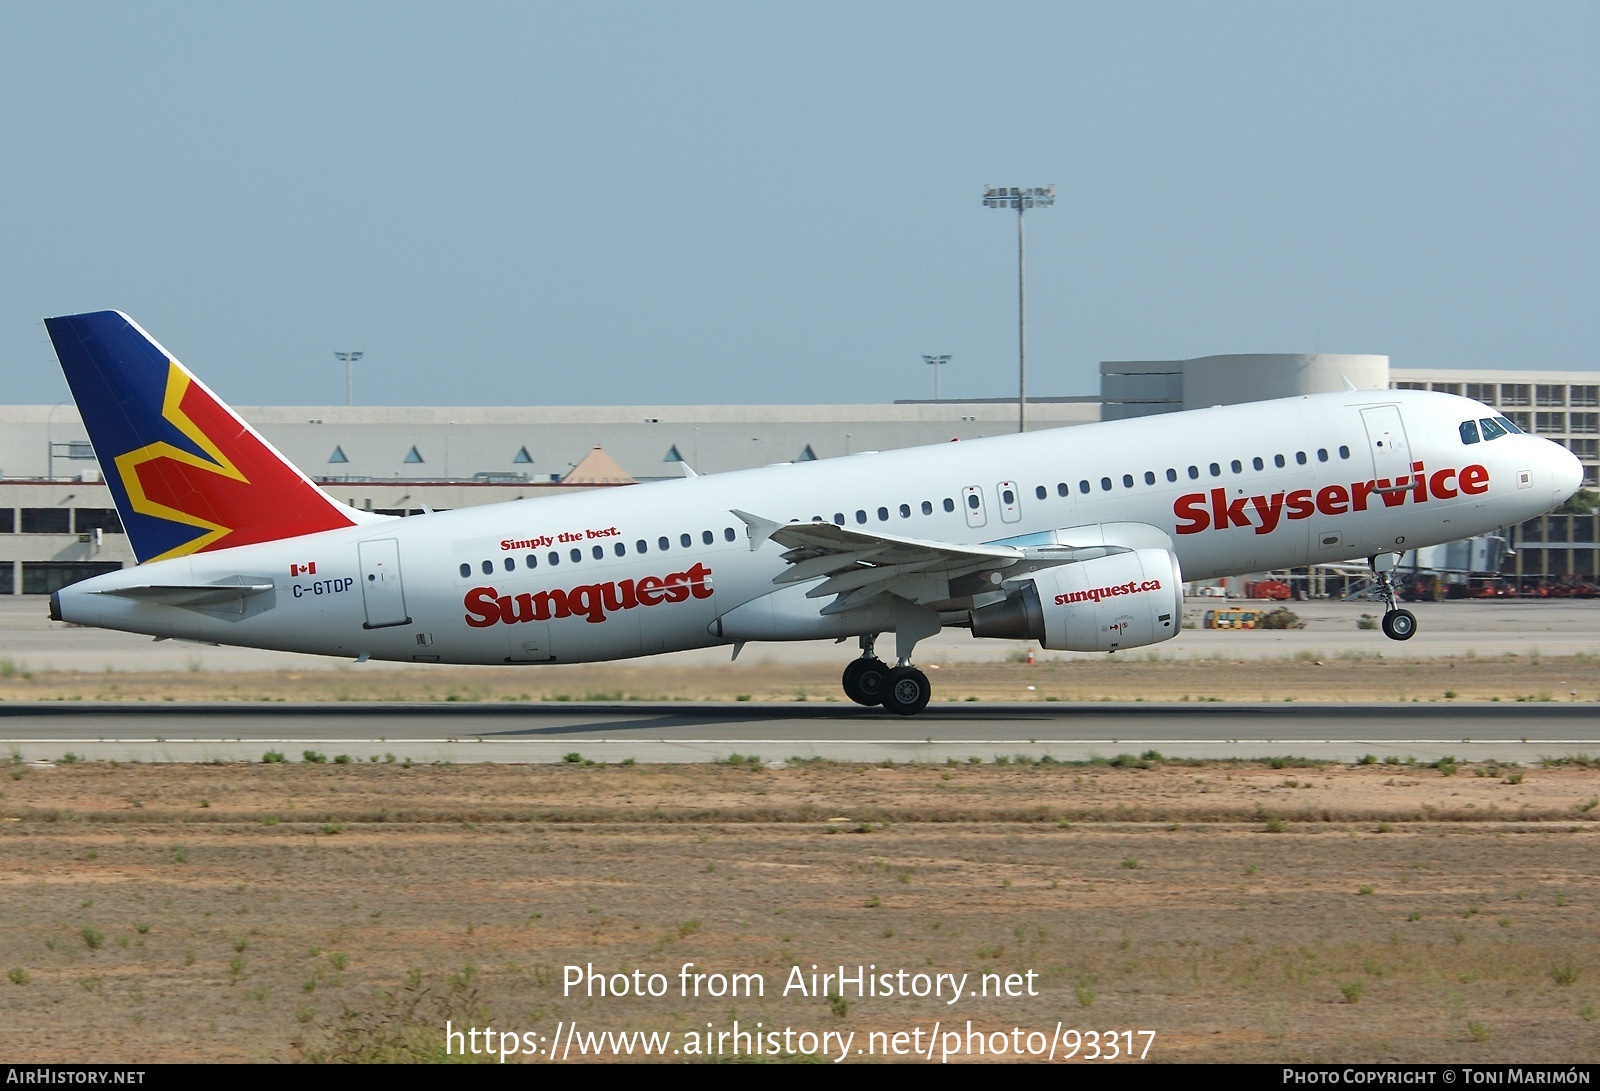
1231	618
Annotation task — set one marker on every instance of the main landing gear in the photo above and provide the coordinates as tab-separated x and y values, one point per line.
903	690
1397	624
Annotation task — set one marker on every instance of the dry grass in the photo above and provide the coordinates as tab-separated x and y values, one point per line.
344	911
1131	676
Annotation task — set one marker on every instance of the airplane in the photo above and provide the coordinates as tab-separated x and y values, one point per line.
1079	538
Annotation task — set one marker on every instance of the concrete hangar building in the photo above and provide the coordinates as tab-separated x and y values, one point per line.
58	524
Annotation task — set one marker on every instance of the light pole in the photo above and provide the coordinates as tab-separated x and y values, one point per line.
936	362
349	359
1021	200
50	441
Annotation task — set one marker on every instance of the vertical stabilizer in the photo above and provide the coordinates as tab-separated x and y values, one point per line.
187	475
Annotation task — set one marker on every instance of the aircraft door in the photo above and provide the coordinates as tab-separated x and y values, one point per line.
972	504
1386	441
381	590
1010	504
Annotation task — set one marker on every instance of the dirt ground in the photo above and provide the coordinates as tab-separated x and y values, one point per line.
1239	911
1364	676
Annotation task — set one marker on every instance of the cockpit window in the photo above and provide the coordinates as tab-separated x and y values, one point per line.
1491	430
1509	426
1469	431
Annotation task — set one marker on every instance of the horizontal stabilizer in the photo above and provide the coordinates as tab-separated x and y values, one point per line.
194	595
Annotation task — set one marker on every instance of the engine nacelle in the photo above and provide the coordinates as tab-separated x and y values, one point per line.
1126	600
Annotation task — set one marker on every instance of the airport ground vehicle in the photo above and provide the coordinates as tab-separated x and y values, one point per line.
1231	618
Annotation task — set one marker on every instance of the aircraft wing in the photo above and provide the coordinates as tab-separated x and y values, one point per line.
857	566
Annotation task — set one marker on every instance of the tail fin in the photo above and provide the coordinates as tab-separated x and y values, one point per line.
187	475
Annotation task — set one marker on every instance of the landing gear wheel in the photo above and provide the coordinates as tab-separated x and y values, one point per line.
906	691
864	681
1399	625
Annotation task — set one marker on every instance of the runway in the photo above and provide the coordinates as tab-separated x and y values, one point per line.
779	732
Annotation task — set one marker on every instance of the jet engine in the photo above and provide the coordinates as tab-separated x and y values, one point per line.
1126	600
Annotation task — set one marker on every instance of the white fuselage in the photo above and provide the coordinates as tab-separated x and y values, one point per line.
634	571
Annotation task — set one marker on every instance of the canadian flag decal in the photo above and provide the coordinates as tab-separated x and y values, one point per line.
307	569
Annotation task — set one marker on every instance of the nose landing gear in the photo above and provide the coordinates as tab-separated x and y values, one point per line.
1397	624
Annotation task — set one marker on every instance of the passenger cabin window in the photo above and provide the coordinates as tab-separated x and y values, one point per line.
531	560
905	511
1172	475
1322	454
1149	477
1194	473
488	568
707	537
1236	466
861	515
1216	471
466	570
949	504
1083	486
1300	457
1061	488
554	558
511	564
1127	481
1105	484
973	501
883	515
927	507
598	553
641	546
1277	460
1469	431
1041	492
727	533
685	541
1344	452
1257	463
620	549
576	555
663	544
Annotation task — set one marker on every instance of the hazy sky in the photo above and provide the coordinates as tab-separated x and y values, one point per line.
532	203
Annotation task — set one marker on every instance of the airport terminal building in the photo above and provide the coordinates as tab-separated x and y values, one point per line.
58	525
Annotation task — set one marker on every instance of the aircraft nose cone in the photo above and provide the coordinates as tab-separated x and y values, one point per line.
1566	474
